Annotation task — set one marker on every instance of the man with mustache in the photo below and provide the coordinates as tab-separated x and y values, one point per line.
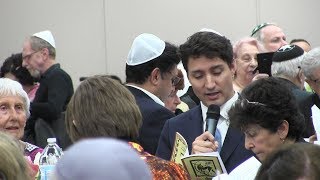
56	88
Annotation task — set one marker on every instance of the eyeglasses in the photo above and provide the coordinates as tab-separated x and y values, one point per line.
173	93
27	57
175	79
316	81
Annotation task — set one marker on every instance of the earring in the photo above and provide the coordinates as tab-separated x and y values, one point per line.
282	139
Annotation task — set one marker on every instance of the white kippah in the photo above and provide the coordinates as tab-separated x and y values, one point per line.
210	30
145	48
47	36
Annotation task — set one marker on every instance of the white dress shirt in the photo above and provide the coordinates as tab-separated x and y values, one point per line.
223	123
152	96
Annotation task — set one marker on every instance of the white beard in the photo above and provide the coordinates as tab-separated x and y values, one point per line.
34	73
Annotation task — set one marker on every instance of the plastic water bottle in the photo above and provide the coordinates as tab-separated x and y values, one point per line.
48	159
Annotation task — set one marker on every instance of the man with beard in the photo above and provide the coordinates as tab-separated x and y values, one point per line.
54	93
151	76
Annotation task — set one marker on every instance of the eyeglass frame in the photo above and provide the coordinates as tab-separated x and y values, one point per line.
316	81
241	100
175	79
27	57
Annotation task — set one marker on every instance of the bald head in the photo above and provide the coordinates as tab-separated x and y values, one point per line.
270	36
303	44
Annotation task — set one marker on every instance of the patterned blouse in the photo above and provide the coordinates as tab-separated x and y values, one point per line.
161	169
31	150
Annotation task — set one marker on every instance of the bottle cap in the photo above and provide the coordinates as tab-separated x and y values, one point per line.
51	140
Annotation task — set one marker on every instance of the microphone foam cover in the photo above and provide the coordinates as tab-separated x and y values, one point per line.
213	111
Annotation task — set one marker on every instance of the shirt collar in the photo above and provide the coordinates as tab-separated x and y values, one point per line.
224	109
152	96
48	71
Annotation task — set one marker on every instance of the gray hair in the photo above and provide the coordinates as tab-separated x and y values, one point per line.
10	87
37	44
258	36
257	33
311	61
289	68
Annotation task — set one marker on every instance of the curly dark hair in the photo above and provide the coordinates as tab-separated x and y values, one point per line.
165	62
13	65
266	103
206	44
294	161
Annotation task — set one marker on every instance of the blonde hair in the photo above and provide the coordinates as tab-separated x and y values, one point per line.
102	106
13	165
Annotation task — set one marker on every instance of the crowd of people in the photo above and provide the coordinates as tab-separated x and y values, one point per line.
111	129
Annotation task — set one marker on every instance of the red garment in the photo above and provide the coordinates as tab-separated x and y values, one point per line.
31	150
32	92
161	169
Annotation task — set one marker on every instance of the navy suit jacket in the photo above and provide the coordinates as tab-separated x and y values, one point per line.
153	118
190	126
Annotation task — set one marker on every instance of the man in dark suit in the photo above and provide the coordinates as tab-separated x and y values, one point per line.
207	58
286	65
151	74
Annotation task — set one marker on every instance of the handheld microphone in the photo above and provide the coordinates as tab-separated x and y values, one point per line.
213	115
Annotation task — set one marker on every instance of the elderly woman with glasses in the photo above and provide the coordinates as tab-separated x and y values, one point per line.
14	111
268	114
173	102
245	58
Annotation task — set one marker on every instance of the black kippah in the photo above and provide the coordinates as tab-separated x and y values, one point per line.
287	52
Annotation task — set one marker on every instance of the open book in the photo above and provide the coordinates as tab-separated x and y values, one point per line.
199	166
245	171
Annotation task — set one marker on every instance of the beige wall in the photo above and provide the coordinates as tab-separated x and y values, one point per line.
94	37
77	25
